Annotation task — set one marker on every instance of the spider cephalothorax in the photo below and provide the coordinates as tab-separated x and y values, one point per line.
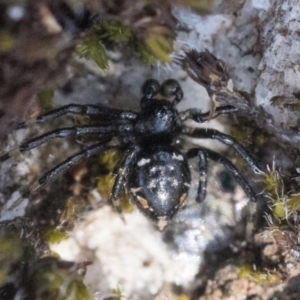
154	172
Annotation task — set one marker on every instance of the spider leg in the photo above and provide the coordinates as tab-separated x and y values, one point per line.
205	133
69	131
203	166
229	166
120	178
62	167
199	117
73	109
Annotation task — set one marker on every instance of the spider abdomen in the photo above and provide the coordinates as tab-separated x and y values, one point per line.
159	182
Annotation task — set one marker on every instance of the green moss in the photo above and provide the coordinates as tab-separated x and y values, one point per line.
283	207
184	297
14	251
283	204
51	279
11	247
295	107
105	184
45	98
3	273
157	46
240	133
92	47
293	203
259	139
54	236
7	41
279	210
273	183
113	31
260	276
110	160
200	6
70	211
116	295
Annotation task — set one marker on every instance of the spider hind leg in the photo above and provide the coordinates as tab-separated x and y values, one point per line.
227	164
120	180
53	173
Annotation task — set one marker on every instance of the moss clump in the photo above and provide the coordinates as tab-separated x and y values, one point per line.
283	204
115	295
54	236
200	6
7	41
273	183
156	46
260	276
91	47
12	250
110	160
51	278
45	99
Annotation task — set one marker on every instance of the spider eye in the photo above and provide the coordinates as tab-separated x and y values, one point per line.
171	88
150	88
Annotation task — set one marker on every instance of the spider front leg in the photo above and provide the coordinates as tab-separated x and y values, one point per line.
199	117
103	130
205	133
120	178
78	109
228	165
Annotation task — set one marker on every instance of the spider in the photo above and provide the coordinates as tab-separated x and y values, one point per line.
154	172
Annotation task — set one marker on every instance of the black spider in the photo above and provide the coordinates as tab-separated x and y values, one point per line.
153	172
